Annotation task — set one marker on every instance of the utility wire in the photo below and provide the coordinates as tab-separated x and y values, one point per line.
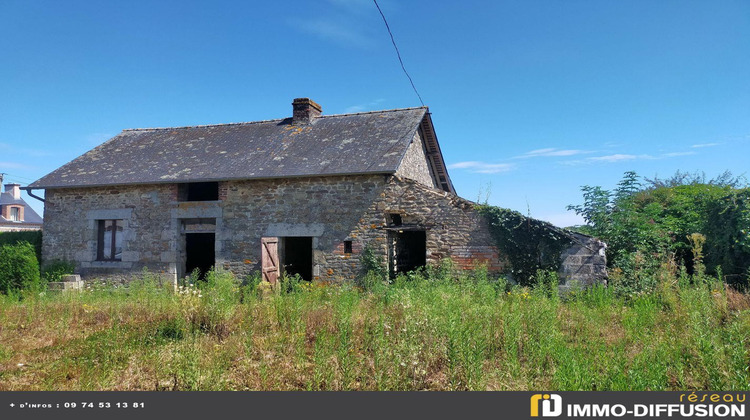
19	177
398	53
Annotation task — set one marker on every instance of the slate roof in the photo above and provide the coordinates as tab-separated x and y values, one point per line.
362	143
29	215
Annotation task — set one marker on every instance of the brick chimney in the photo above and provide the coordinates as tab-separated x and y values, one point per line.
305	111
14	189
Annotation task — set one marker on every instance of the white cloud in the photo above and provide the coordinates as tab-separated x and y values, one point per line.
676	154
623	157
551	152
698	146
363	107
539	151
483	167
342	33
618	157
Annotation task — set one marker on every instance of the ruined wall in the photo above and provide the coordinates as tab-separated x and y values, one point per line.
584	263
453	228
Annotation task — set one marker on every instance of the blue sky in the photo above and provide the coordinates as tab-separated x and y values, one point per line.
530	99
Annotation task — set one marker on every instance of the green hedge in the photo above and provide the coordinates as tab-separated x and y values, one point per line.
34	237
19	267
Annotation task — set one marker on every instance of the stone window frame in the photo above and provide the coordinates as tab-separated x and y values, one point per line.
93	217
100	244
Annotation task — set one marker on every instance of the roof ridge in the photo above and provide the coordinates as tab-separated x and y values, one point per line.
373	112
185	127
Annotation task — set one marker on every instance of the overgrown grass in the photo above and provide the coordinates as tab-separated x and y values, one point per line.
444	333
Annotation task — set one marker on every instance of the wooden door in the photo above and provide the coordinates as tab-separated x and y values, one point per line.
270	259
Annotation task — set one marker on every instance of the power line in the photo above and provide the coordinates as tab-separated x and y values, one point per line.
393	41
19	177
14	181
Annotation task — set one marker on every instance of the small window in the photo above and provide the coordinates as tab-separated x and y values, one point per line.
198	191
109	242
396	219
15	214
347	247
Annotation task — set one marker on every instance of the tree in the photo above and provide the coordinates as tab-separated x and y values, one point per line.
657	218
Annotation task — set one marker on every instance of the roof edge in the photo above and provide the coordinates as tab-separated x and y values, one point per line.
264	178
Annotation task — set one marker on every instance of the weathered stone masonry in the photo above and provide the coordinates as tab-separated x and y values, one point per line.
319	189
329	209
148	239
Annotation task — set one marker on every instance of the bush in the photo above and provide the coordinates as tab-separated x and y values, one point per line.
701	224
53	271
33	237
19	267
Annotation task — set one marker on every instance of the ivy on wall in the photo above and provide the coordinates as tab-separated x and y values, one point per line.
529	244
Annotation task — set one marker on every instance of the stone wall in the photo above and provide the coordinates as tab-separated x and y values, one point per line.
331	210
415	165
453	228
337	209
584	263
70	231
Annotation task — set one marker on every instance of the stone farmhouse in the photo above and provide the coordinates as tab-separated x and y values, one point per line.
304	195
15	213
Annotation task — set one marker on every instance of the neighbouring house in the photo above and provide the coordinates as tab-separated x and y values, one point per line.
304	195
15	214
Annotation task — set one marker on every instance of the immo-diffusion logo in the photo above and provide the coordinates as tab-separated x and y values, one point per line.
551	405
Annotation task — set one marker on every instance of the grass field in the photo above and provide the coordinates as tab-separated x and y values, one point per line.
466	333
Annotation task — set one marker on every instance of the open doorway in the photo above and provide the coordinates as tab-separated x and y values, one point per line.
200	252
297	256
408	250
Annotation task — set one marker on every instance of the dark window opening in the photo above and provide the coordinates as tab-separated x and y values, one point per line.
396	219
347	247
15	214
198	191
109	240
408	251
199	253
297	256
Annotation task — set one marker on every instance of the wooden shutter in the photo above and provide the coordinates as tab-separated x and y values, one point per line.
270	259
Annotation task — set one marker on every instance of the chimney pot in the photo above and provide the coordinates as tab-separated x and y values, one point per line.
305	111
14	189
